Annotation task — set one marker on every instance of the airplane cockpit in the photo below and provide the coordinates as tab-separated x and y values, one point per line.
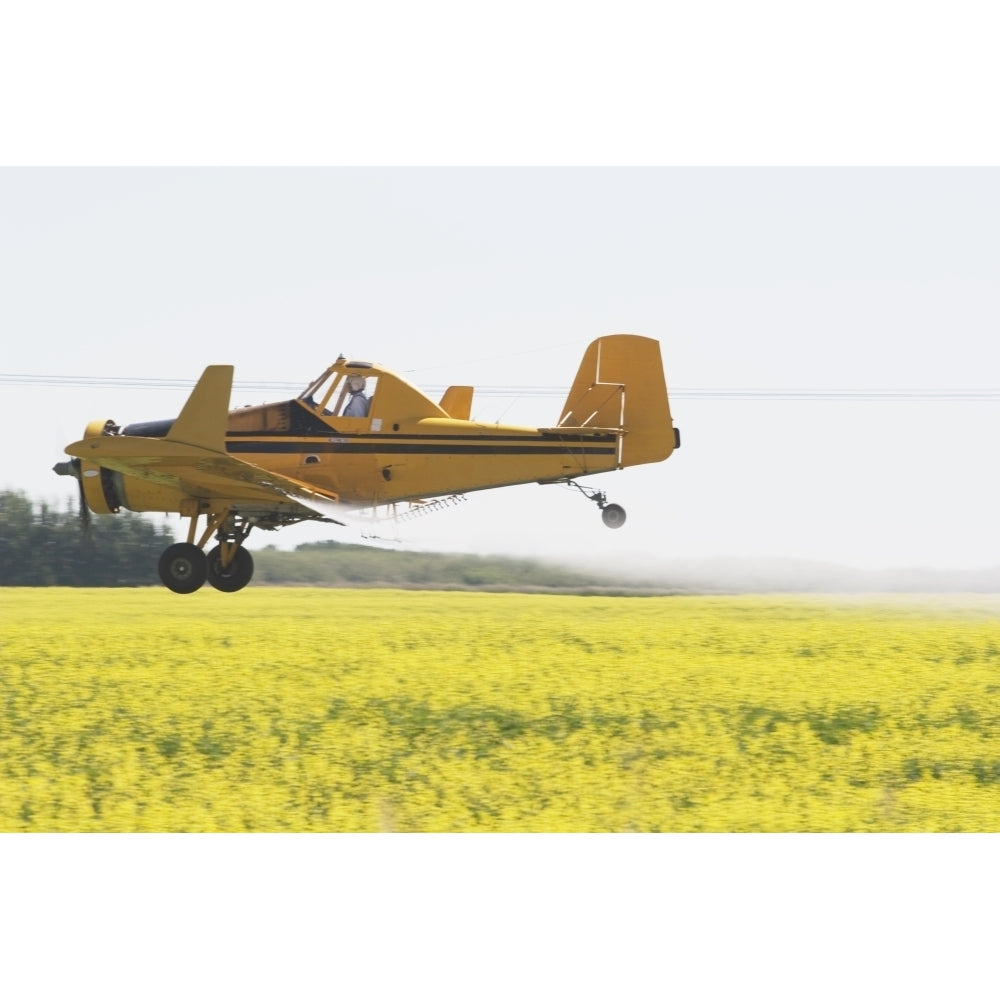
362	389
344	390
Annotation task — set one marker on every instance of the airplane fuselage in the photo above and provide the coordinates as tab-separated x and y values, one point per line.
360	461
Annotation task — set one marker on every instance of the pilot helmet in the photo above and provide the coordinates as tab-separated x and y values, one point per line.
355	383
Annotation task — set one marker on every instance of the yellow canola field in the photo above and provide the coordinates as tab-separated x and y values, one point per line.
334	710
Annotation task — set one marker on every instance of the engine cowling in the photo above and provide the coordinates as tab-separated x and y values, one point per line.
96	482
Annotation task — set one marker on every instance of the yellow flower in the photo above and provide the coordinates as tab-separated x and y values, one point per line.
373	710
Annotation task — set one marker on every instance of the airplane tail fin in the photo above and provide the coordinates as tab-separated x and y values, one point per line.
205	415
620	385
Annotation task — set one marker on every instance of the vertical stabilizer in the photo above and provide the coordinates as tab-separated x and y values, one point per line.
620	385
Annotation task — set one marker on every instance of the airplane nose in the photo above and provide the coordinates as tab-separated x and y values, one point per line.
64	469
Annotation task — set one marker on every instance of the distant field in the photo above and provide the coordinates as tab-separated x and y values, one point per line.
309	709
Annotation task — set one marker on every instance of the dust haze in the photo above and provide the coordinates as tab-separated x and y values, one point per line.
737	575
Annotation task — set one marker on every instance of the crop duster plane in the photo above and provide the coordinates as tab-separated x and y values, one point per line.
358	435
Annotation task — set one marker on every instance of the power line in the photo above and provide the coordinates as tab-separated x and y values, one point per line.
847	395
910	395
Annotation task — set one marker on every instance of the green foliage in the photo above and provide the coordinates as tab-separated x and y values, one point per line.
40	546
335	564
43	547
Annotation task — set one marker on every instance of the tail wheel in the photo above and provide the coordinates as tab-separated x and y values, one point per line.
183	568
613	515
235	576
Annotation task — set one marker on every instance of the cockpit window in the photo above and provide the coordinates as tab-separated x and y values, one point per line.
342	394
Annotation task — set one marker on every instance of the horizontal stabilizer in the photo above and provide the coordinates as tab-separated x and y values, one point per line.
601	405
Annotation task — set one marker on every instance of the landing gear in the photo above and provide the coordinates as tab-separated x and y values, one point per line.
612	514
233	577
184	567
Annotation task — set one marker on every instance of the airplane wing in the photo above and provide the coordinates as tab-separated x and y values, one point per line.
205	474
193	458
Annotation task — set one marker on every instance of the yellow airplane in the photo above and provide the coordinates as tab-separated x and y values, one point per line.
359	435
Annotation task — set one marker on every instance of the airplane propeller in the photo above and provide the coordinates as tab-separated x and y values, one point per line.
72	468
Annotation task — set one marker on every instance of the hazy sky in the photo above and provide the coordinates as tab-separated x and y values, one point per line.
842	280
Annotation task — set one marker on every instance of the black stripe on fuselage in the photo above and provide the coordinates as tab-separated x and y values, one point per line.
386	446
332	432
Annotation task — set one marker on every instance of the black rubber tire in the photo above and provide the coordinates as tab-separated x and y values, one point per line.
183	568
236	576
613	515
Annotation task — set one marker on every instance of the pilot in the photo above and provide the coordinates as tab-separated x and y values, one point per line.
357	405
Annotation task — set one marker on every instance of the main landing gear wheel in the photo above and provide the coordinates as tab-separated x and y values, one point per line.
183	568
235	576
613	515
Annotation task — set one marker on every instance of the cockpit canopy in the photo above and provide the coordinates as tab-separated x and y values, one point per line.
345	389
361	388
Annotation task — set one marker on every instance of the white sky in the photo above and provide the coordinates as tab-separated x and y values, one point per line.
809	278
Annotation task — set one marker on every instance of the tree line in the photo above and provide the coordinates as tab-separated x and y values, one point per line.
41	546
340	564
